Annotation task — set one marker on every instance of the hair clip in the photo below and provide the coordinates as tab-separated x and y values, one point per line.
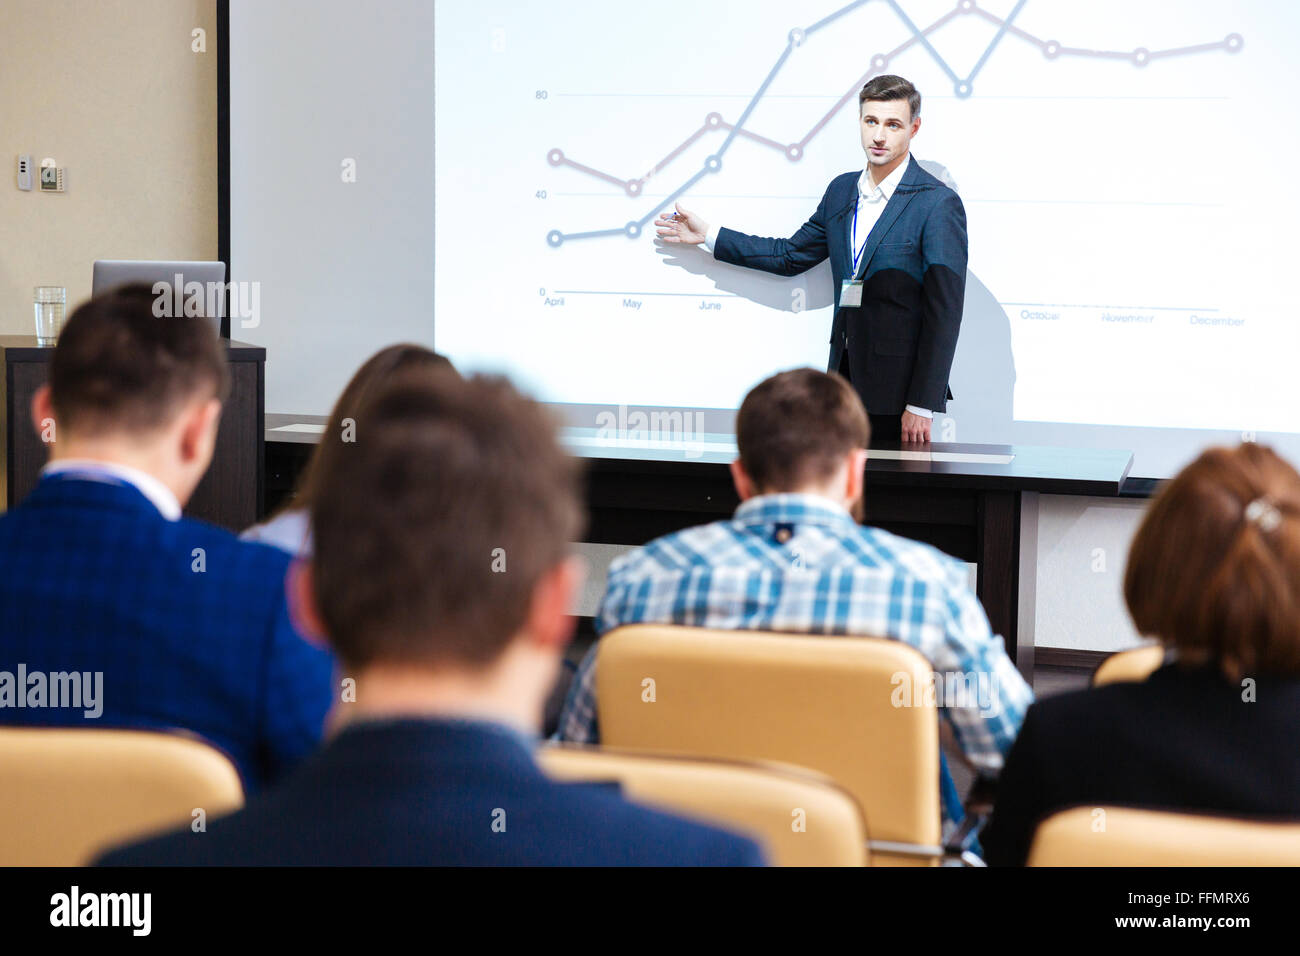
1263	513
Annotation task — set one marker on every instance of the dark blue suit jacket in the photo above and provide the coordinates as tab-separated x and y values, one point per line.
438	793
901	341
93	578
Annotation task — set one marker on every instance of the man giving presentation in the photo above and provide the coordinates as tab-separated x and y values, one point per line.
896	238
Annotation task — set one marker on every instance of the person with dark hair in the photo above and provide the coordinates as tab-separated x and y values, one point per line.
896	238
442	575
794	558
100	576
288	528
1212	574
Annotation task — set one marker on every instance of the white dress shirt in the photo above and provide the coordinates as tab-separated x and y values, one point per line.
872	199
290	531
158	494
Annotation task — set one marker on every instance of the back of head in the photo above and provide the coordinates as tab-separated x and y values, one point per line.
1213	569
796	428
394	360
119	368
433	527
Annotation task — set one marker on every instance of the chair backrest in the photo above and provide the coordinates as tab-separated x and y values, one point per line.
855	709
68	794
1135	664
1122	836
800	818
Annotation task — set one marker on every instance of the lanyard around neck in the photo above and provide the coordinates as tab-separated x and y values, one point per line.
857	255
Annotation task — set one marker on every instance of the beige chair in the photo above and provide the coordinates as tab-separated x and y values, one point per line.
824	703
1119	836
67	794
800	818
1131	665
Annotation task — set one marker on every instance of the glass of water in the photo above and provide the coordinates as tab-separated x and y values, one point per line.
51	300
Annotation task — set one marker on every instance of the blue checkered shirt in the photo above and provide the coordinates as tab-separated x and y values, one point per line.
801	563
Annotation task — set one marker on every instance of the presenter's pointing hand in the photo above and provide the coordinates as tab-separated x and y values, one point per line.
682	226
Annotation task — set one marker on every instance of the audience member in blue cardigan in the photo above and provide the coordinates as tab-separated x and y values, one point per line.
164	621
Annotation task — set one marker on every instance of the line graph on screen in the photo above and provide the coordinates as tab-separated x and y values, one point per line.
963	88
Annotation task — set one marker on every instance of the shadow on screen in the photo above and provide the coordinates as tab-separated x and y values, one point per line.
762	288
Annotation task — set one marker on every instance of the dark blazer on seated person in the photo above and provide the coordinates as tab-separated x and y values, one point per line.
1183	740
187	624
435	792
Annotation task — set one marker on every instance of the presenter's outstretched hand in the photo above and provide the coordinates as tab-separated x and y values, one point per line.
682	226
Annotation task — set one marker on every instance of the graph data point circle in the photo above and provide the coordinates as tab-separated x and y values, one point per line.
633	229
555	237
797	36
879	61
966	6
713	163
713	120
1141	56
1233	42
633	186
794	152
555	157
962	89
1051	49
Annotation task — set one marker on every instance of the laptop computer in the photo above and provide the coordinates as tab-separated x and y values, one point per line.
110	273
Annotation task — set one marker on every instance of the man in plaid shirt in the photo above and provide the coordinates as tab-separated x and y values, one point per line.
795	558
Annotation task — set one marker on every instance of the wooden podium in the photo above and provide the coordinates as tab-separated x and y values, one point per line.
229	495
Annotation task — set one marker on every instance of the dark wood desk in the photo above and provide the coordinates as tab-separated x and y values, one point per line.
978	503
230	494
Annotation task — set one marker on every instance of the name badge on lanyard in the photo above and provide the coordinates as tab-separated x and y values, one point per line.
851	289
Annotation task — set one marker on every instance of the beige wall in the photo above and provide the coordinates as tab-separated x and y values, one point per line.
112	91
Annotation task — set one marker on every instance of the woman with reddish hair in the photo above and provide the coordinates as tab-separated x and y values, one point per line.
1213	574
